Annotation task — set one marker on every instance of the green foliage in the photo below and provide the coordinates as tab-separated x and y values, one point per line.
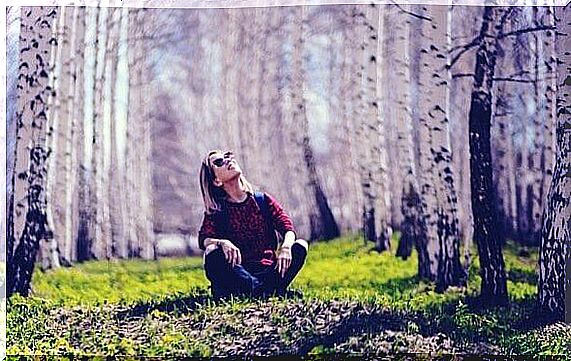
163	308
554	339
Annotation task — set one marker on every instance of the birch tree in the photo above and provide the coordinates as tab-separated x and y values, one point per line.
439	257
49	252
372	149
323	224
411	227
86	177
548	150
13	17
114	147
30	220
138	172
502	135
349	106
486	235
75	146
539	119
556	230
99	197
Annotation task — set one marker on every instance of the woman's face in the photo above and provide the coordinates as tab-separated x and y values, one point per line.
224	166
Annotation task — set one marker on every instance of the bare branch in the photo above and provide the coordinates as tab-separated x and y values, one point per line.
462	75
514	80
467	47
410	12
478	39
530	30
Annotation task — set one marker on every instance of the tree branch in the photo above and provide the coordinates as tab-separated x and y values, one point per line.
477	40
466	48
462	75
410	12
514	80
530	30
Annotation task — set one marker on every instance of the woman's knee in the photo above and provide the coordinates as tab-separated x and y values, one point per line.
213	256
303	243
299	249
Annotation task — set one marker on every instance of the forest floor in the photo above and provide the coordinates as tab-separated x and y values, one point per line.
355	302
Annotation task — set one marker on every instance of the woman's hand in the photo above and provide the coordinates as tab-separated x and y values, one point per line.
231	252
284	260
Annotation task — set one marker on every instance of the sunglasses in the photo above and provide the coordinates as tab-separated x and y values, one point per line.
225	159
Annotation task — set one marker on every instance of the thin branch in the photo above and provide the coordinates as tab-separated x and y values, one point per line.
457	57
514	80
462	75
530	30
410	12
523	72
474	42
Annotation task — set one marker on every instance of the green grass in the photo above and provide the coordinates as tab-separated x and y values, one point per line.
124	281
169	311
342	269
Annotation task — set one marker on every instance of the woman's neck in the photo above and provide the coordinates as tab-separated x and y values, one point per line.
236	193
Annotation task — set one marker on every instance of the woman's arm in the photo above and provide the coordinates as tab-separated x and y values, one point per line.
231	252
208	235
281	221
289	239
213	241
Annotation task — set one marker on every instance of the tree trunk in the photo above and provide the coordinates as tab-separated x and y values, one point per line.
539	118
13	17
231	73
100	205
141	235
115	170
439	252
323	225
502	139
486	233
75	188
378	97
549	124
369	128
450	270
49	252
30	218
410	206
349	142
74	109
86	182
554	270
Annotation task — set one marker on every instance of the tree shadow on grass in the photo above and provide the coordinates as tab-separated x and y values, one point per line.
181	304
466	322
521	275
396	287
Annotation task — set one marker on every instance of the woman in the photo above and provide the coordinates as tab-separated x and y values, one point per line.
238	237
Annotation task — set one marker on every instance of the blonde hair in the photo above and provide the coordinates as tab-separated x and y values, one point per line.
212	195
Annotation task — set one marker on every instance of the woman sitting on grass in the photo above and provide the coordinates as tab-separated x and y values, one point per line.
238	234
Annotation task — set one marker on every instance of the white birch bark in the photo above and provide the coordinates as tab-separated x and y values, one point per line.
99	196
29	217
70	167
49	252
556	232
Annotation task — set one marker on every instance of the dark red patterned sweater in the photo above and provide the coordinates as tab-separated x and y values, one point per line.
247	227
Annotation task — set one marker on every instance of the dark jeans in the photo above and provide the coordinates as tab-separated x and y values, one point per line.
250	280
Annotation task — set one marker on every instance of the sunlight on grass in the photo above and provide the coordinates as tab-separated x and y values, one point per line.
345	268
96	282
